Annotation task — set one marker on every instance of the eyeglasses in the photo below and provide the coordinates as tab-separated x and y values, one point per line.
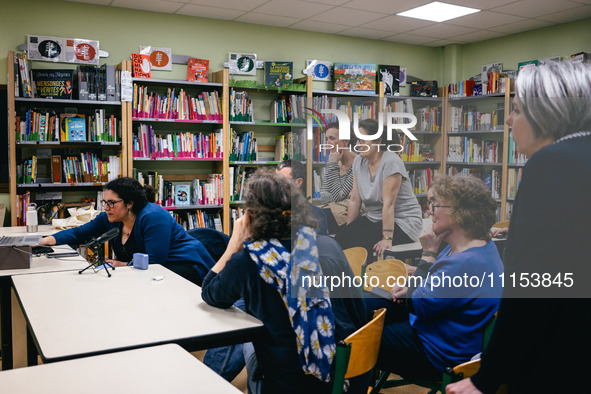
110	204
432	206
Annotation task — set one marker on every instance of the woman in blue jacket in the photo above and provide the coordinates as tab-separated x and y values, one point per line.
143	228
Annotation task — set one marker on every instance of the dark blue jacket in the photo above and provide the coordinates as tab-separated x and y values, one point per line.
156	233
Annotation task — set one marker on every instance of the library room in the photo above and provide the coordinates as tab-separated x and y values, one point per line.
289	196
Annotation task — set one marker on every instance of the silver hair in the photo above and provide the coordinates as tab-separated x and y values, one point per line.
556	98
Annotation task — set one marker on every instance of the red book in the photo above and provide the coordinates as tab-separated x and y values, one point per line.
141	66
197	70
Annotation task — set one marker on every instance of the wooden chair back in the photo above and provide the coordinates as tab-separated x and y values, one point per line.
383	269
357	257
358	353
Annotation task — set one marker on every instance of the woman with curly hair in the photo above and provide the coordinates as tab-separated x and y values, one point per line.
144	227
439	317
264	263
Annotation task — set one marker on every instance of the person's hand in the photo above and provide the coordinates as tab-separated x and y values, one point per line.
47	241
431	241
382	246
240	232
498	231
335	156
410	269
116	263
464	386
398	293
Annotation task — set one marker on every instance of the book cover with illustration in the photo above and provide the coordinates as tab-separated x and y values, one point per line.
141	66
73	128
197	70
355	77
278	74
390	75
53	83
182	194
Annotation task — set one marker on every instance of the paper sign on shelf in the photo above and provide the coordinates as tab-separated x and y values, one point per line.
319	69
63	50
160	58
242	63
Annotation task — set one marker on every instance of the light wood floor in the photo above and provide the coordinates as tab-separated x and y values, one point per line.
240	382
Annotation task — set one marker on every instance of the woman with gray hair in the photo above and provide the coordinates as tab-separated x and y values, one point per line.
545	314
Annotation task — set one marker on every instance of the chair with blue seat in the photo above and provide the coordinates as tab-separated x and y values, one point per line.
214	241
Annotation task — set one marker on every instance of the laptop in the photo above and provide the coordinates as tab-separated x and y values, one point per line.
21	240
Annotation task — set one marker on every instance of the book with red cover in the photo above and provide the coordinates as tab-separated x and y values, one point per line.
141	66
197	70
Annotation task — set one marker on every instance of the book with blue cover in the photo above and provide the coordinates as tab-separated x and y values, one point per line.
182	194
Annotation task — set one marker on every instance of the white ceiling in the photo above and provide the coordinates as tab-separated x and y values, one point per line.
376	19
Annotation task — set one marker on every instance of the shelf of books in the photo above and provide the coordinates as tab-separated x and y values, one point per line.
477	138
66	131
177	145
266	127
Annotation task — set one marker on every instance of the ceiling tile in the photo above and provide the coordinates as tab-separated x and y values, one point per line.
329	2
397	24
480	35
202	11
292	8
480	4
409	39
386	7
149	5
320	27
569	15
264	19
244	5
441	31
483	20
521	26
365	33
347	16
534	8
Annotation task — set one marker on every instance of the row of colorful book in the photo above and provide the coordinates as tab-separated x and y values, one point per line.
514	157
420	179
51	127
181	145
429	119
289	109
470	119
243	146
198	219
239	177
491	178
205	106
88	167
473	150
241	109
198	192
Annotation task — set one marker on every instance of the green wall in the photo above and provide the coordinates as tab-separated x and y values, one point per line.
560	40
121	31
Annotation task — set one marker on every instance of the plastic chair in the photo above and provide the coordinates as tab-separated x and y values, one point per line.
358	353
434	387
357	257
383	270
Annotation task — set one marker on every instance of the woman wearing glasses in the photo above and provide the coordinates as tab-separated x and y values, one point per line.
144	227
381	183
437	320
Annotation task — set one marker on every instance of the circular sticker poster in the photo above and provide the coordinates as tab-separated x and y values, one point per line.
245	65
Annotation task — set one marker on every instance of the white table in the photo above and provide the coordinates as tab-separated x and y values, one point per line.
72	315
40	264
158	369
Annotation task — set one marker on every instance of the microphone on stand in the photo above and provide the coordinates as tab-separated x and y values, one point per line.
95	245
106	237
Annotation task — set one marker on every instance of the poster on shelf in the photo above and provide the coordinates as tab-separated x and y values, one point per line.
242	63
319	69
402	77
63	50
160	58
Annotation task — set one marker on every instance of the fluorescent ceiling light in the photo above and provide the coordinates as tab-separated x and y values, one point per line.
438	12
